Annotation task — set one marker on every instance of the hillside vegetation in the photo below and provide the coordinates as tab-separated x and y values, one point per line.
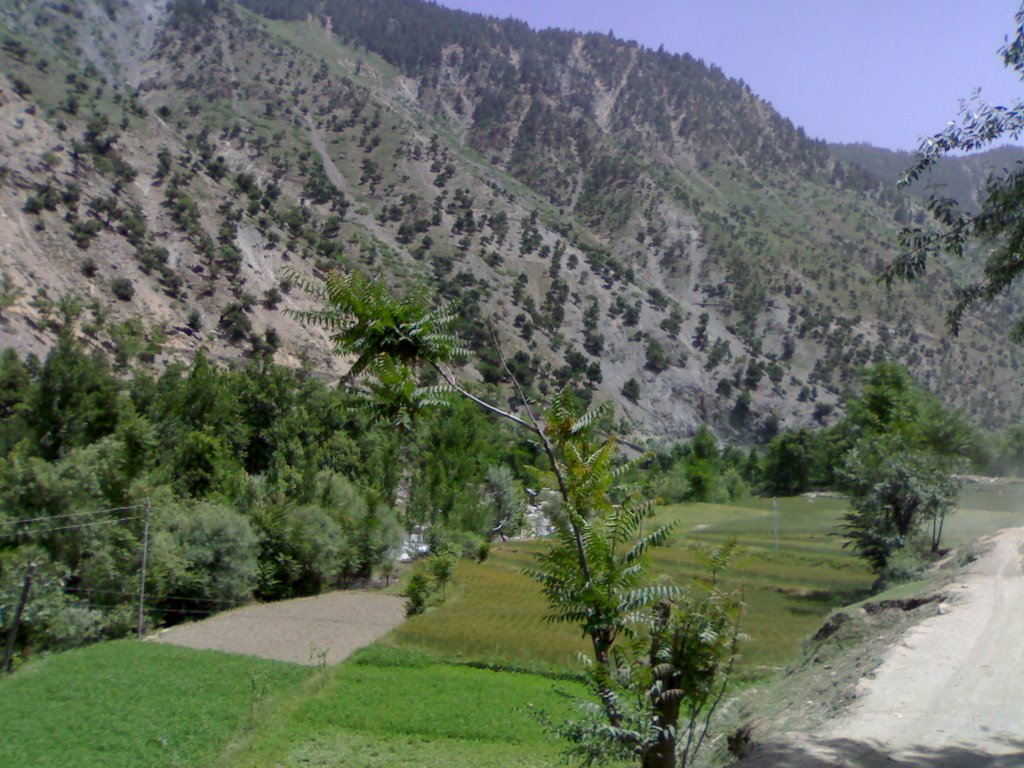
635	222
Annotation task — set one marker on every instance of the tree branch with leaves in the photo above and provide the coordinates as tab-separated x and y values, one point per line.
594	573
998	226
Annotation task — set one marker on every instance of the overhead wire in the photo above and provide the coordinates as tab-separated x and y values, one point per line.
49	518
34	531
134	596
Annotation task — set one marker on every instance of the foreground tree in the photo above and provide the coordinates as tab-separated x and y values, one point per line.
998	226
594	573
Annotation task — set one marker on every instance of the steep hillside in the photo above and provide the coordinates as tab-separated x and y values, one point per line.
961	178
635	223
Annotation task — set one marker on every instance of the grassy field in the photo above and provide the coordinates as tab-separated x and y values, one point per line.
386	707
493	615
127	704
131	704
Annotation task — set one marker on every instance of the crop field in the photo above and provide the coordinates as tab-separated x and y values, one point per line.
790	580
124	704
386	707
130	704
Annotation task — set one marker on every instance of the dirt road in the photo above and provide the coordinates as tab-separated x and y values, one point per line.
950	694
307	630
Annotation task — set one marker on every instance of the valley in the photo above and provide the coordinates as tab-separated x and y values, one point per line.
383	384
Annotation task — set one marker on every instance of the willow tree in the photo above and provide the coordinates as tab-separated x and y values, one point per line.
679	644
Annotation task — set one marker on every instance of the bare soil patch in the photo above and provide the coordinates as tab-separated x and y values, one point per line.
309	630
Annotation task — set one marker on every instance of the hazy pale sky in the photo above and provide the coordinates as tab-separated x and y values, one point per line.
887	72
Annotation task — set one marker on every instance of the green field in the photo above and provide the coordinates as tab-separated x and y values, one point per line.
127	703
494	613
131	704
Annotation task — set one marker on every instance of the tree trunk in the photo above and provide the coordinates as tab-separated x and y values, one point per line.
602	645
662	753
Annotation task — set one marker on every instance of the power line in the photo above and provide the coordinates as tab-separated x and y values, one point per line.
50	518
183	611
77	591
34	531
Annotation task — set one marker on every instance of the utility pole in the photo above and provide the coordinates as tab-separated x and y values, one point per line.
142	574
12	633
775	506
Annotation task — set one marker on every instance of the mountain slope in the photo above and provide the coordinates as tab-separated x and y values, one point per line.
961	178
635	223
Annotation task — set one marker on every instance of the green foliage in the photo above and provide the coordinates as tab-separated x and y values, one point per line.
504	502
441	566
417	592
593	574
74	401
980	125
657	359
9	292
215	555
888	405
895	492
122	288
263	481
668	681
703	472
789	463
389	338
631	390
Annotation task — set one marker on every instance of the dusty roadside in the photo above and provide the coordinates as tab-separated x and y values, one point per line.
949	692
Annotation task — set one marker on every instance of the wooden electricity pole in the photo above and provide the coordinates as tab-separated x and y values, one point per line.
12	633
142	574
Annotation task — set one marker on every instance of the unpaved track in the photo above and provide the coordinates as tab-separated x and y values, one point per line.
950	694
307	630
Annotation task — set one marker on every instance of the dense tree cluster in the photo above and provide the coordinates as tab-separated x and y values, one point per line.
262	482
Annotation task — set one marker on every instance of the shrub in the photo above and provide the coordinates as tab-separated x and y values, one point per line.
122	288
631	390
215	555
417	591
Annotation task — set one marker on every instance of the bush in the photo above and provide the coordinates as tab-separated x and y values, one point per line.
215	555
631	390
417	592
122	288
904	565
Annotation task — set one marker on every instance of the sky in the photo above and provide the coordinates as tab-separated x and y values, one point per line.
888	73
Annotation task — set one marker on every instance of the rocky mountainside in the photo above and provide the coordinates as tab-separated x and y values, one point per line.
634	222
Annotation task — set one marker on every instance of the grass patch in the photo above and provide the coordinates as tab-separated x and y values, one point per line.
128	704
388	707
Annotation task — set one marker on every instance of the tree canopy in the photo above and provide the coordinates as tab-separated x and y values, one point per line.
998	227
